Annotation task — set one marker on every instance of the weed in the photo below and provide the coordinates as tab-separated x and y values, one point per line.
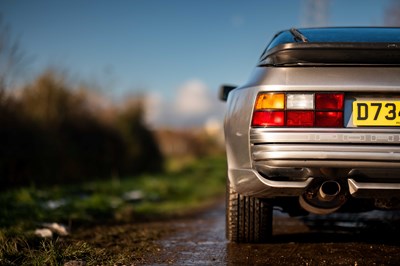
102	215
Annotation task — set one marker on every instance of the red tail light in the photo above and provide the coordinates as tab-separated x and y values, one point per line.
329	119
329	101
268	119
299	110
300	119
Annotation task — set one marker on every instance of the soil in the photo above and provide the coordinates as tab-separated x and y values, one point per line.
339	239
199	239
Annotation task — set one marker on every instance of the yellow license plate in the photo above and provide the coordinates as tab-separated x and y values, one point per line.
376	113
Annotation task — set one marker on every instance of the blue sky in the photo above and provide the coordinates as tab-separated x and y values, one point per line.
162	47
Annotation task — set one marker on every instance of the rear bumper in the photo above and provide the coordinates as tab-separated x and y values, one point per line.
378	136
250	183
327	155
373	190
285	163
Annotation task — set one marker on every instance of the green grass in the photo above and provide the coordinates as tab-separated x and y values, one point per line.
102	203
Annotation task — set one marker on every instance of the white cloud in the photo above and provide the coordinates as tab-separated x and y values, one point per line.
193	105
192	99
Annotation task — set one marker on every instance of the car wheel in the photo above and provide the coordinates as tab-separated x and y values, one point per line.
248	219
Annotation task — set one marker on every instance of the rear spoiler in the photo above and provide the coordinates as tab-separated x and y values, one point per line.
306	53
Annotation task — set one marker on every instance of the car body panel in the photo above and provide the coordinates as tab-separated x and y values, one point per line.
355	149
316	128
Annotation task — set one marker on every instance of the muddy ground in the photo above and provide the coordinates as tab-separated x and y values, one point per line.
371	238
366	239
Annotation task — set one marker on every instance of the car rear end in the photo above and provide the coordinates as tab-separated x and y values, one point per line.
325	130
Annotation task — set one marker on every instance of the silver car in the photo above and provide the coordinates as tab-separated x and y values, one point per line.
316	129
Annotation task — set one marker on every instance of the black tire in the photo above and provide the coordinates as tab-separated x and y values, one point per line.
248	219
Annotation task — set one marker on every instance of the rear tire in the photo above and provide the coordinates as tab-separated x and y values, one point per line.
248	219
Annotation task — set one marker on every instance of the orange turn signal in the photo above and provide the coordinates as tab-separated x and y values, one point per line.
270	101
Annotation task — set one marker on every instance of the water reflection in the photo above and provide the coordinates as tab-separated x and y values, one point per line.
336	239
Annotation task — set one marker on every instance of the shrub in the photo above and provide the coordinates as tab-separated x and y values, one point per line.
51	134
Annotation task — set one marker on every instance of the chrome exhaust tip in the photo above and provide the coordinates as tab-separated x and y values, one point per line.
329	190
323	197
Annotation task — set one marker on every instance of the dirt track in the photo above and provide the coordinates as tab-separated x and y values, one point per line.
368	239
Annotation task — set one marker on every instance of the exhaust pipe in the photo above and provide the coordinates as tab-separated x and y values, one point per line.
329	190
323	197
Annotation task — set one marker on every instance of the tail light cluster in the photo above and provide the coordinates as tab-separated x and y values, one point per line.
298	110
